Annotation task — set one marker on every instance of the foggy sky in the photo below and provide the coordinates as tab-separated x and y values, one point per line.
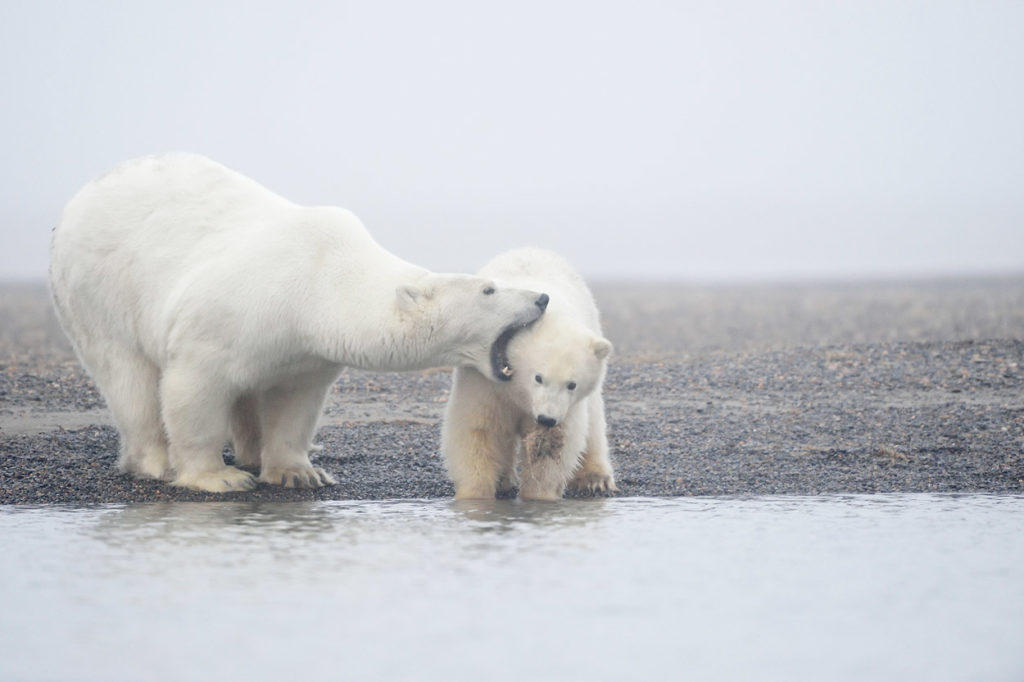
688	140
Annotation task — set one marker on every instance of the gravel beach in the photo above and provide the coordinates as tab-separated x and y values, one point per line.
713	390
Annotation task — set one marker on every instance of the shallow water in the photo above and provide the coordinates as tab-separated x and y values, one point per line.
888	587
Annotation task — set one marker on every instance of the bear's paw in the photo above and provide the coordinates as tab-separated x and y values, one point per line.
225	480
297	477
592	483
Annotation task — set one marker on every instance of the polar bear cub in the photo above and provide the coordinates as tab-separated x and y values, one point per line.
209	309
549	414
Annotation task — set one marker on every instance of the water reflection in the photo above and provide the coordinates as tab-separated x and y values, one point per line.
504	516
212	523
198	522
880	587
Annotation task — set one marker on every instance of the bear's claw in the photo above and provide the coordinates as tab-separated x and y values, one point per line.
592	483
305	477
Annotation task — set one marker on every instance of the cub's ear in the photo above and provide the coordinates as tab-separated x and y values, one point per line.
407	297
602	348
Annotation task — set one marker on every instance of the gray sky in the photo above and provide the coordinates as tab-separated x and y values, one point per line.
689	140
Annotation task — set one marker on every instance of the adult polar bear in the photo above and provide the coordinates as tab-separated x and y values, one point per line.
207	307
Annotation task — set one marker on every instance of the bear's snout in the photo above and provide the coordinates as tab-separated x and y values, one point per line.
542	301
546	421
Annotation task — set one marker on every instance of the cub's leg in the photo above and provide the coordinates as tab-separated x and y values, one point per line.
289	415
508	477
550	456
131	386
478	438
595	474
196	410
246	431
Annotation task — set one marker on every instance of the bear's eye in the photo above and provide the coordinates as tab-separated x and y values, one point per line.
488	291
539	379
571	385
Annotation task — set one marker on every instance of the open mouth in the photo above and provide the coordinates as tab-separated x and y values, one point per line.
501	368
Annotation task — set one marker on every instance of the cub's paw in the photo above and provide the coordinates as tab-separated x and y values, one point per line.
297	477
592	483
225	480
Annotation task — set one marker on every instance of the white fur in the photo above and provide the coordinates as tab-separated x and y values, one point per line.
489	425
207	307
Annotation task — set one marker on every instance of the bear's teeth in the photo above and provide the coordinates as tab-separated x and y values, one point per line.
506	370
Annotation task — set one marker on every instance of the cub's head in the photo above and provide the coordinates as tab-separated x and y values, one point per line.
557	364
470	320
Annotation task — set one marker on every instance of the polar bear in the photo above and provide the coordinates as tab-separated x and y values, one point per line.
550	412
209	309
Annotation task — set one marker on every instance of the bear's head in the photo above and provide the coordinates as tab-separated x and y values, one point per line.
558	363
471	319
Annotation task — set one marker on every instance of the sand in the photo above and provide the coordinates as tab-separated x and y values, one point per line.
750	389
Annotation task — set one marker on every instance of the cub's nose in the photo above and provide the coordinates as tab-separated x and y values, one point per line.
542	301
546	421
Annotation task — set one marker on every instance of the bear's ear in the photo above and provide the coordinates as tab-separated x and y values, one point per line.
408	297
602	348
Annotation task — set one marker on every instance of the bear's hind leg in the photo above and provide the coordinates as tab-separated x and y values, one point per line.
289	415
246	432
131	386
196	409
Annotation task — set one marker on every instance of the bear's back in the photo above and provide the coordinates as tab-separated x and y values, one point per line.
155	233
175	197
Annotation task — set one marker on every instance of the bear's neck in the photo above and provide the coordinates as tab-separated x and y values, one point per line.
387	348
372	333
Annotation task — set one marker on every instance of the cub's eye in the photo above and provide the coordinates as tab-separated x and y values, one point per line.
539	379
488	291
571	385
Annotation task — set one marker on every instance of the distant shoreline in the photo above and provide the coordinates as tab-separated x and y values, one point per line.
924	278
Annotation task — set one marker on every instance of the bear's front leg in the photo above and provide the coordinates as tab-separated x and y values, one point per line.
550	455
478	437
247	432
289	416
508	478
476	460
595	475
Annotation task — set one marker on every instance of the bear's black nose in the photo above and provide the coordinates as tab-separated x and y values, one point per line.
542	301
546	421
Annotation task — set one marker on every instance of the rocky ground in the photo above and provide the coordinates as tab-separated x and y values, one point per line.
716	390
